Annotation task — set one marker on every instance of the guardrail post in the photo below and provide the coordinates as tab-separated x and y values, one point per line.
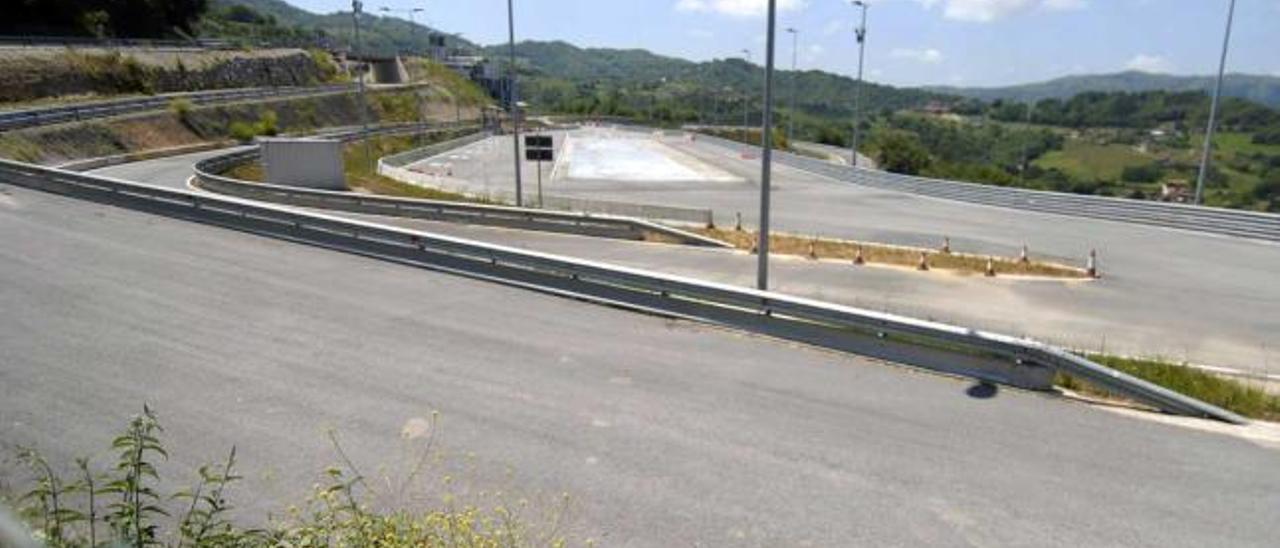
1024	257
857	257
946	245
924	261
990	272
738	223
813	251
1092	267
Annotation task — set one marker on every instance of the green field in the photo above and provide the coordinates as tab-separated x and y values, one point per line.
1228	145
1093	161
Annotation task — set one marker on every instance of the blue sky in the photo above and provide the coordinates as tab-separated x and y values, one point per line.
910	42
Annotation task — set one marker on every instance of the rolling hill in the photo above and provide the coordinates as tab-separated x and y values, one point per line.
1256	88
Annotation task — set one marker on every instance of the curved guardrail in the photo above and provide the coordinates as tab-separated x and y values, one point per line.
774	313
1210	220
17	119
207	178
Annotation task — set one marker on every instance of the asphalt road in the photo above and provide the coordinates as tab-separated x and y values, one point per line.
661	432
1164	293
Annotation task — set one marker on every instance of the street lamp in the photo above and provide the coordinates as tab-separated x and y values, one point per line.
356	6
1213	109
746	99
766	164
514	99
791	110
413	27
861	34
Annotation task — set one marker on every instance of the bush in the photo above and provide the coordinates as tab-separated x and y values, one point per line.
123	506
901	152
1149	173
181	107
1271	137
242	131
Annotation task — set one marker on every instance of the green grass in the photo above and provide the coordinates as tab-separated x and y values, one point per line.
1230	394
1228	145
362	171
123	503
1093	161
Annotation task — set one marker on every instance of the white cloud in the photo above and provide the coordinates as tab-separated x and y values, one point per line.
736	8
1149	63
925	55
701	34
985	11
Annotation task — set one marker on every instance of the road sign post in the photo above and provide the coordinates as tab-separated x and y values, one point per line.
539	148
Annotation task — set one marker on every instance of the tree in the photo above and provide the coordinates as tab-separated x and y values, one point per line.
901	152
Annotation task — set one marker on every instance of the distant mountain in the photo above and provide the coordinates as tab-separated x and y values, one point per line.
571	69
1256	88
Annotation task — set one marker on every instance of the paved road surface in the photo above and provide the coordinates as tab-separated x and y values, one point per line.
1157	297
662	432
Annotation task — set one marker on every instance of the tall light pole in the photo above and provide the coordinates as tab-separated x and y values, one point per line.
413	27
1213	109
791	110
746	98
356	5
514	99
766	164
746	103
861	34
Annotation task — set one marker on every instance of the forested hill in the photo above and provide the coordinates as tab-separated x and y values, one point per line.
566	77
1256	88
380	32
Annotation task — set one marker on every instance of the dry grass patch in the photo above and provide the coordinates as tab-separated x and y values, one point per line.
893	255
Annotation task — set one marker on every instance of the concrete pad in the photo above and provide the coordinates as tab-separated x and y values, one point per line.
620	157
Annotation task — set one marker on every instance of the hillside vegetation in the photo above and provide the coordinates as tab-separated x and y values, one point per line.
41	73
1257	88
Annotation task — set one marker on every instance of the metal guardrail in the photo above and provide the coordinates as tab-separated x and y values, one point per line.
16	119
207	178
779	314
1210	220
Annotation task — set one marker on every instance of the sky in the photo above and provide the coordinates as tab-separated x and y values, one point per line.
909	42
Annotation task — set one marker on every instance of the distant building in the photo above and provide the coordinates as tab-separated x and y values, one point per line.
936	108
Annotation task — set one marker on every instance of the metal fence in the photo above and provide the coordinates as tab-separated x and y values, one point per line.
16	119
1212	220
781	315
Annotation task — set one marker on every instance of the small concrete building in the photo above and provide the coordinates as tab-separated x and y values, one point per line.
305	163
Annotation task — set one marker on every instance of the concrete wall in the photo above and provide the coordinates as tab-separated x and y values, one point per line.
390	71
306	163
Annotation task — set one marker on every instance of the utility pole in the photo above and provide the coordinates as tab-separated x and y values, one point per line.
356	5
514	99
861	34
791	110
1213	109
746	101
1022	168
766	164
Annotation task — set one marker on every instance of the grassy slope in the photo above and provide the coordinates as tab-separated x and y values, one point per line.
1094	161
